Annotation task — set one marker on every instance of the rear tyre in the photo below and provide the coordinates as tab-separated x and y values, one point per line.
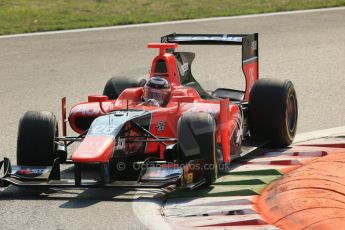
273	111
36	139
196	140
115	85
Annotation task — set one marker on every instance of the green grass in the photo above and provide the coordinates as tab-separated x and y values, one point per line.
21	16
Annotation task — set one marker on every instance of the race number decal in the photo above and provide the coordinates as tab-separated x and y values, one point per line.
102	129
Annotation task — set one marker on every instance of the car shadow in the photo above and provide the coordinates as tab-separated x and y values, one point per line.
80	197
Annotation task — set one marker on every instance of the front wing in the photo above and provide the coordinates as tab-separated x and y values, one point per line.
152	175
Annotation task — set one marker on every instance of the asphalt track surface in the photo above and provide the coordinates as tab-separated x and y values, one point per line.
36	71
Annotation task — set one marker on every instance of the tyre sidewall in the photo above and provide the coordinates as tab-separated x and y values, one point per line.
36	139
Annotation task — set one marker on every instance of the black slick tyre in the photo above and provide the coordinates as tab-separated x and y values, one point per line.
36	139
273	111
115	85
196	140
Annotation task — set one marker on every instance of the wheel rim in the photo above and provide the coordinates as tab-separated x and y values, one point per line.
291	113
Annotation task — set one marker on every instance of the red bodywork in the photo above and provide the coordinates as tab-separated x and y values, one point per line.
183	99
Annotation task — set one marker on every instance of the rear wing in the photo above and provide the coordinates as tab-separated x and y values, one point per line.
250	50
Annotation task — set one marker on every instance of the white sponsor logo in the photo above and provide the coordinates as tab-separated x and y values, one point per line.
240	129
185	67
33	171
213	38
86	111
251	77
254	45
121	144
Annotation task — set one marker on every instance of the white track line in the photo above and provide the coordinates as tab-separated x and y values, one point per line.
172	22
148	212
319	134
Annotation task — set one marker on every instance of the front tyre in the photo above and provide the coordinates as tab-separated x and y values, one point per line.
273	111
196	140
36	139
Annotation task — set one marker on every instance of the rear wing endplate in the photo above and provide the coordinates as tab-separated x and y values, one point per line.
250	50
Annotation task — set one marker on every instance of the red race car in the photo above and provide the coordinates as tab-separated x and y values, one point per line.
161	131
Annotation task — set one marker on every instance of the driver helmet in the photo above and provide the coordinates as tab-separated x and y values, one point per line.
157	88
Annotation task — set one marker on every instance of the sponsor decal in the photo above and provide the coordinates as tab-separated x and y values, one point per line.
213	38
160	126
189	178
120	144
251	77
240	129
253	47
91	144
163	173
211	109
185	67
32	171
86	111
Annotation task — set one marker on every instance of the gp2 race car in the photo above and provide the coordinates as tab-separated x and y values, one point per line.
137	142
